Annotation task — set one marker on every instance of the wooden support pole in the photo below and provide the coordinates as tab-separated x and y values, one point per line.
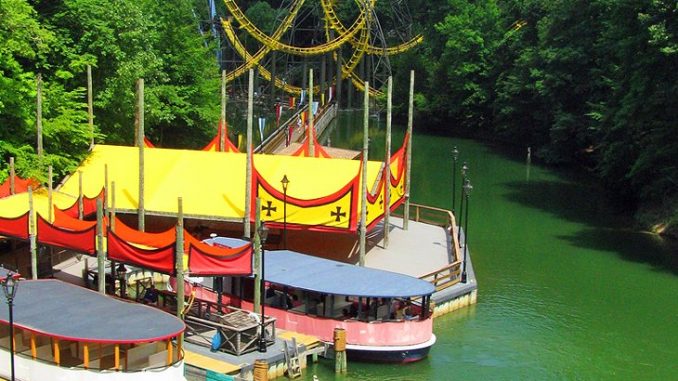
140	144
85	355
257	258
101	255
34	347
248	169
408	154
38	115
179	263
170	355
387	161
311	126
50	194
111	221
363	187
116	355
340	363
12	176
105	189
32	235
222	121
81	205
57	351
90	107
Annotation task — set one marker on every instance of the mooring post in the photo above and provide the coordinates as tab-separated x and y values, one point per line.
140	145
179	264
387	160
311	128
408	155
222	121
248	169
260	370
12	175
340	362
90	107
38	115
363	185
101	255
31	235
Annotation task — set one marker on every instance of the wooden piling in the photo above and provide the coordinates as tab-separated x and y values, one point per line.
12	175
33	244
311	127
363	187
408	154
140	145
111	221
90	107
50	194
387	161
248	169
340	360
179	264
38	115
81	206
101	255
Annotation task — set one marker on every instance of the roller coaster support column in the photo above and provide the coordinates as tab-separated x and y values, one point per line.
387	166
140	144
222	121
311	126
323	64
179	265
248	170
408	155
273	73
363	187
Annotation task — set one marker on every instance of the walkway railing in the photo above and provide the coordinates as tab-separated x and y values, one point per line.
451	274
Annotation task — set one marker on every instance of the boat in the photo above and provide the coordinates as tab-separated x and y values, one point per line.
386	316
96	338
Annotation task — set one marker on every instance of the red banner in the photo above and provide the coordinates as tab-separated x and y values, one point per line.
160	260
82	241
206	260
16	227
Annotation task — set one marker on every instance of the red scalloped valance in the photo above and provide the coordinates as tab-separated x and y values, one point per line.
83	241
207	260
16	227
160	259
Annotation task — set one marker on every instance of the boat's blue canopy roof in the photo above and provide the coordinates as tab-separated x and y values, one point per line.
289	268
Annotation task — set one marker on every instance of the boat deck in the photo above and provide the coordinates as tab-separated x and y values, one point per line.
418	251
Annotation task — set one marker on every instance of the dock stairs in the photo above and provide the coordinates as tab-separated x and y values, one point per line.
292	358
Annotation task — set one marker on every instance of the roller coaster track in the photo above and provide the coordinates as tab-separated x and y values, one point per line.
335	23
253	60
275	44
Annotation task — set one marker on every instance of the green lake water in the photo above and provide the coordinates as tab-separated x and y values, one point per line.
567	289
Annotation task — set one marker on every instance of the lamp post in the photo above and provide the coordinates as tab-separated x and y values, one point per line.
455	156
9	285
467	192
263	233
284	183
464	170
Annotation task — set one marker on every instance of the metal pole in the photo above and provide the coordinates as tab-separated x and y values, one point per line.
257	258
262	338
410	113
455	156
90	107
363	190
466	193
248	170
387	167
10	303
285	216
140	144
464	168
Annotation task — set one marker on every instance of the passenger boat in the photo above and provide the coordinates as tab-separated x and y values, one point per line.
66	332
386	315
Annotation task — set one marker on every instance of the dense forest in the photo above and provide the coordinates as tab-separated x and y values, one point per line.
592	84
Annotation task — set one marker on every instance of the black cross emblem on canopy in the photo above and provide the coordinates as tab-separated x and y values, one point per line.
338	214
268	208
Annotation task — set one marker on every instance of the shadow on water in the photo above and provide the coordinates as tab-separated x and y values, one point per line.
605	230
630	245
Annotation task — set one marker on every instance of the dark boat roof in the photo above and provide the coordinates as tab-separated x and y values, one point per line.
289	268
62	310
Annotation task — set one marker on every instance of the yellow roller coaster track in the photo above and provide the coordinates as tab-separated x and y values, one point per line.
335	23
274	44
253	60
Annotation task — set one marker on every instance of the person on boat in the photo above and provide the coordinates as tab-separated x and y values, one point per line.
150	296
